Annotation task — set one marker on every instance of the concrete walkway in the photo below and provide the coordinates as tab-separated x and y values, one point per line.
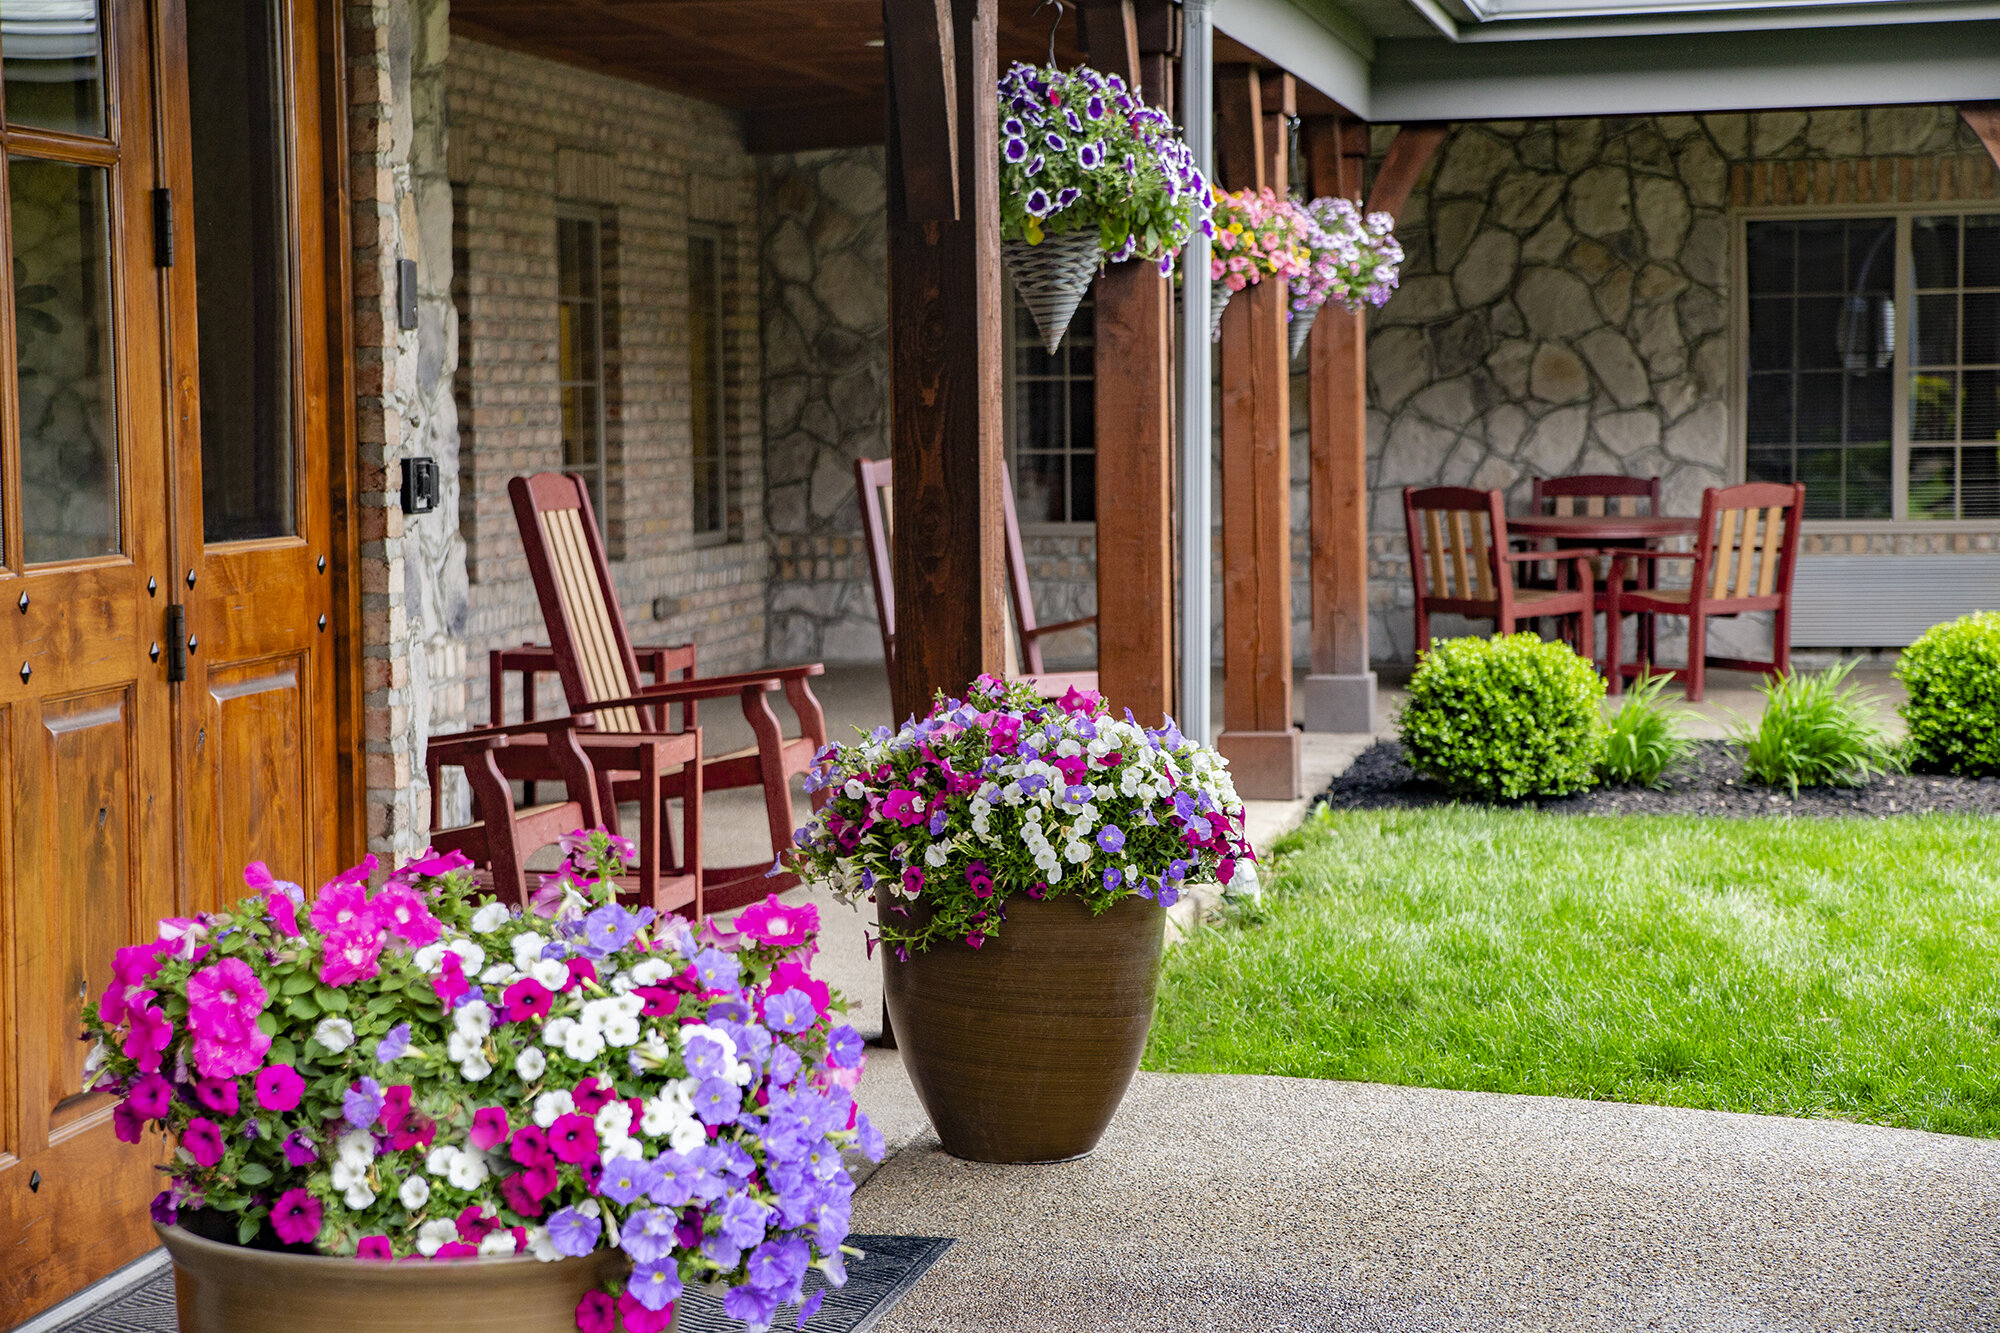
1222	1203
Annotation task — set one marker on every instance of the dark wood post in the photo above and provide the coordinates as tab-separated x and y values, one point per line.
1340	691
1257	735
1135	453
944	345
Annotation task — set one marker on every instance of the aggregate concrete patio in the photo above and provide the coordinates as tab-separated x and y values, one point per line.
1238	1203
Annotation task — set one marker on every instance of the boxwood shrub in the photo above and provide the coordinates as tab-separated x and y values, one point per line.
1504	718
1953	713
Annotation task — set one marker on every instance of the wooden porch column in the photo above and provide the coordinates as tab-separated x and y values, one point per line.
1340	691
1257	736
1135	449
944	345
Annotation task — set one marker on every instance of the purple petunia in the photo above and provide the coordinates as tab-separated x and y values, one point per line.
743	1220
609	928
705	1058
778	1265
648	1235
1112	877
717	970
574	1233
1055	142
655	1285
789	1011
1037	203
1015	150
395	1044
361	1104
1111	839
844	1047
716	1100
626	1178
1091	156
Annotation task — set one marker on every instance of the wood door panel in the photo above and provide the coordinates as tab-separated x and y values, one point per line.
259	722
80	1223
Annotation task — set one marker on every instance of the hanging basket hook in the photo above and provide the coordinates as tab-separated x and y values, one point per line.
1052	27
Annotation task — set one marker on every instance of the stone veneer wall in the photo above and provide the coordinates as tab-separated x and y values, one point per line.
1566	306
528	134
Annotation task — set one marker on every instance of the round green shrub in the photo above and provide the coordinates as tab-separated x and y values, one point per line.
1504	718
1953	713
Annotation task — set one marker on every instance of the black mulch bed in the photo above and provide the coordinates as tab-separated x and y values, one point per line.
1709	782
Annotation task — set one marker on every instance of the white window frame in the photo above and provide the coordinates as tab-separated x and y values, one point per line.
1899	404
719	238
1009	425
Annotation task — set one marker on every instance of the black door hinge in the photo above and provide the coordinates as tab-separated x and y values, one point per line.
177	643
163	228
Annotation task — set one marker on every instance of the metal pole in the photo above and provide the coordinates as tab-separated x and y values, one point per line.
1198	124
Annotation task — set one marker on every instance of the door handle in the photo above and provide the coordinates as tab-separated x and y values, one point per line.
177	643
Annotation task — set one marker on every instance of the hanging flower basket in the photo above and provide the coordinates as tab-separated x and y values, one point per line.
1219	293
1085	162
1257	234
1052	277
1301	327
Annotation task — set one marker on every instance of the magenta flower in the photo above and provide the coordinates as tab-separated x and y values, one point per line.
489	1128
401	911
220	1095
375	1247
638	1319
596	1313
132	969
342	906
353	955
456	1249
529	1146
525	999
475	1223
164	1210
573	1139
127	1123
202	1141
296	1217
450	981
299	1150
975	939
772	922
913	880
279	1088
151	1096
224	1001
904	806
979	879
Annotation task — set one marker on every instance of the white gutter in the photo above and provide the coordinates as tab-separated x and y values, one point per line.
1198	124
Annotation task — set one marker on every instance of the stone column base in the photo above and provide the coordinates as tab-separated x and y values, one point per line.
1341	703
1263	764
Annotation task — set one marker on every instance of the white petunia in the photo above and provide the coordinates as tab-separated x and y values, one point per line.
416	1192
657	1118
469	954
688	1135
490	918
458	1046
497	1242
440	1159
434	1235
356	1149
358	1196
613	1119
474	1018
550	972
528	950
498	974
936	854
582	1043
541	1246
428	958
468	1171
530	1063
336	1034
552	1104
555	1030
651	971
345	1174
621	1031
475	1067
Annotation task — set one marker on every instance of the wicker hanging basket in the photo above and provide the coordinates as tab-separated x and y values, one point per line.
1301	328
1052	278
1218	297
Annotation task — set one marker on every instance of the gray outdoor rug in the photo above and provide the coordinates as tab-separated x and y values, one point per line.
888	1268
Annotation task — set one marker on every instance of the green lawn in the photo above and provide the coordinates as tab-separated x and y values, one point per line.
1843	968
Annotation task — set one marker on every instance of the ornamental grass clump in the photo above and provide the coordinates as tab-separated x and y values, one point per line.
1006	793
1953	713
412	1074
1817	731
1644	739
1504	718
1080	150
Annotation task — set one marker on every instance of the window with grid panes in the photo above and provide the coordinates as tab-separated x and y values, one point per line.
1821	378
1954	390
1051	421
705	386
580	349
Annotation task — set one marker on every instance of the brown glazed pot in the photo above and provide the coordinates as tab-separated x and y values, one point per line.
1022	1049
231	1289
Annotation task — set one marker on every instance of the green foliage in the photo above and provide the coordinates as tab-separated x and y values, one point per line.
1817	731
1953	713
1645	739
1839	968
1504	718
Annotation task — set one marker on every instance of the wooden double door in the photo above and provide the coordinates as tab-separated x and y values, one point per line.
166	664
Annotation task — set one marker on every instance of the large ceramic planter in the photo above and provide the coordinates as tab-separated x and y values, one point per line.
1022	1049
230	1289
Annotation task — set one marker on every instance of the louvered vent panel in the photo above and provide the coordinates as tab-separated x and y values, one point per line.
1886	601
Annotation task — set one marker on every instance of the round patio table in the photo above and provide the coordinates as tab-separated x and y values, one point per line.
1595	529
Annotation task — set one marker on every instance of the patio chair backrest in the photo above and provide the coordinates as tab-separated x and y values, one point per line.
1748	540
874	483
573	583
1453	532
1595	494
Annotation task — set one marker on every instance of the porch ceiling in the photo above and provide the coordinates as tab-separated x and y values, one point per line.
803	73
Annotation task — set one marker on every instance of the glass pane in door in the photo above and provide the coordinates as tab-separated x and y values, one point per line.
63	351
54	52
243	305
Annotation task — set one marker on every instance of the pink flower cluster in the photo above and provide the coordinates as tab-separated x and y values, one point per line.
1354	259
356	926
1257	232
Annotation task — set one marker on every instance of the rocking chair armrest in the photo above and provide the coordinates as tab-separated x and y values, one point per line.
1081	622
680	691
477	738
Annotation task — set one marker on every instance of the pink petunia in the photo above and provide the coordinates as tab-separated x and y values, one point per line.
596	1313
224	1000
279	1088
202	1141
402	912
904	806
790	975
772	922
431	865
220	1095
151	1096
296	1217
525	999
127	1123
475	1223
132	971
591	1094
638	1319
353	955
148	1033
375	1247
342	906
489	1128
580	971
573	1139
450	981
456	1249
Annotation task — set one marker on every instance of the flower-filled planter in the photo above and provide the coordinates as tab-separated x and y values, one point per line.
1021	853
1088	174
1258	234
415	1074
1352	259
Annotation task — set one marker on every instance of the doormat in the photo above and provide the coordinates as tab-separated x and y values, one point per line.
888	1267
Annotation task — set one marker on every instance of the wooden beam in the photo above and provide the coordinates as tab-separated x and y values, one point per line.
1159	24
1335	156
1409	153
1134	440
850	123
923	72
1239	128
1257	736
1278	96
944	395
1983	119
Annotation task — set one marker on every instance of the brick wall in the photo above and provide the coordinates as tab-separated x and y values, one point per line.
528	135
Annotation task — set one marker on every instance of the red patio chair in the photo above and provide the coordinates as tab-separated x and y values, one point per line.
600	675
1595	493
1460	562
1744	551
874	484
